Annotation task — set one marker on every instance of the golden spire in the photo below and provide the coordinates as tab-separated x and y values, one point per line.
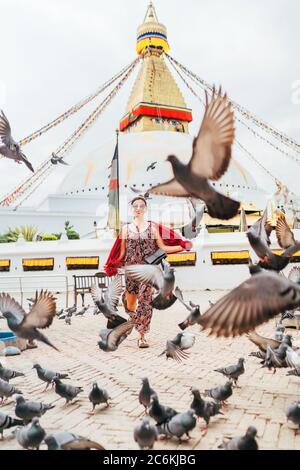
151	15
152	34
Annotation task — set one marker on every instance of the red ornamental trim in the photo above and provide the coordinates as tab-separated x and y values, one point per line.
113	185
144	110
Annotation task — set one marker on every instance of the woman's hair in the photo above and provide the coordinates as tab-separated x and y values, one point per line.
138	198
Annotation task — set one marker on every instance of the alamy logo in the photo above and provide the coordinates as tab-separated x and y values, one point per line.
296	92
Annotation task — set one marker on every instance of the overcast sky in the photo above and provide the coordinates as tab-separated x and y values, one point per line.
55	52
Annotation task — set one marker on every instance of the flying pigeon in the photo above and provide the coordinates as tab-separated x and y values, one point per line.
152	166
162	279
27	325
175	348
259	241
192	229
32	436
194	316
145	434
107	303
210	160
55	159
9	148
246	442
255	301
110	340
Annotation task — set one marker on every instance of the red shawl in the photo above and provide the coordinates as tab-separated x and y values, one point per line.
169	236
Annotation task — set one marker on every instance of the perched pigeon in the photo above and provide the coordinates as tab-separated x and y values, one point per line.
6	422
220	393
210	160
295	372
82	312
111	339
9	374
27	410
27	325
276	358
162	279
98	396
293	414
246	442
107	303
203	408
255	301
194	315
68	321
175	348
71	310
32	436
9	148
68	392
233	372
160	413
178	426
47	375
145	393
7	390
145	434
55	159
70	441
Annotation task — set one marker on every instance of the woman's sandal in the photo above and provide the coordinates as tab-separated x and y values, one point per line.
142	343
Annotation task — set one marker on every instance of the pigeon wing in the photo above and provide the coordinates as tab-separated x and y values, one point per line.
96	293
212	147
178	294
169	188
43	311
294	274
26	161
175	352
252	303
5	130
285	236
146	273
113	292
10	305
114	337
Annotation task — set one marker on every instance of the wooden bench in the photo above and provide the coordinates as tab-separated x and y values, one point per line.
83	284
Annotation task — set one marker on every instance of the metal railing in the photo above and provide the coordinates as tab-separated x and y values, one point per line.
21	285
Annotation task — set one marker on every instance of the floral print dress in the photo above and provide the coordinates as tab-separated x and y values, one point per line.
138	246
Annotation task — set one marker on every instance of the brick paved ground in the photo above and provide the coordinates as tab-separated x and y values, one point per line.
261	400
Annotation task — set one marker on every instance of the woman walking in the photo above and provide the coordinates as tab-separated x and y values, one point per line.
140	239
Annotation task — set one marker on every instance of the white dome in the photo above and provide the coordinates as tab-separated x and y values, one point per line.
136	152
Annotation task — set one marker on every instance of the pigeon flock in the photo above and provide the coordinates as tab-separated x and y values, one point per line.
265	295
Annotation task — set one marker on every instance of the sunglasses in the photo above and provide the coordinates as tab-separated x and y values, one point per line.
139	206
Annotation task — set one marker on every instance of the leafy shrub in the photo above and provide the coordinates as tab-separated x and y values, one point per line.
28	231
71	234
48	237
